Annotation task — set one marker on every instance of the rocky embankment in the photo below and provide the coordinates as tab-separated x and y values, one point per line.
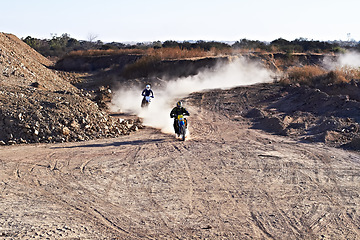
30	115
36	105
300	112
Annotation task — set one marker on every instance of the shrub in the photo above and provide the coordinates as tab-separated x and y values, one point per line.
302	75
332	77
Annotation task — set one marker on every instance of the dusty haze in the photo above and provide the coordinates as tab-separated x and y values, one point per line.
238	72
348	59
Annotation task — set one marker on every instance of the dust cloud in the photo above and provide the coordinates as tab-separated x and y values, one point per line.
238	72
349	59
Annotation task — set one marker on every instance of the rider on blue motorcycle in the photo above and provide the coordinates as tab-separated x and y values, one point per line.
178	110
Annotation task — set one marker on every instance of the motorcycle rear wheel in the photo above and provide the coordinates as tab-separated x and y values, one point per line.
144	103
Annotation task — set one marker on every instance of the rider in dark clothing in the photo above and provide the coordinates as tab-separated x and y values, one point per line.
147	92
178	110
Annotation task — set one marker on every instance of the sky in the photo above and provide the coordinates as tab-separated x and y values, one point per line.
185	20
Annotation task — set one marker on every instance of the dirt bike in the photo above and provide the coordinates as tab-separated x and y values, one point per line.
182	123
146	101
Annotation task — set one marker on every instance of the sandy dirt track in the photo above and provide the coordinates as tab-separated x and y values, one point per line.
226	182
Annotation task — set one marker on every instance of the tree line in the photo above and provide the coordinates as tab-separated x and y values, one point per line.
59	46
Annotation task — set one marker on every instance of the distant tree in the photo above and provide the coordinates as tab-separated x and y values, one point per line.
185	45
357	47
338	49
108	46
249	44
284	45
280	42
58	46
54	47
142	45
170	44
156	44
207	46
305	45
112	45
92	37
72	43
32	42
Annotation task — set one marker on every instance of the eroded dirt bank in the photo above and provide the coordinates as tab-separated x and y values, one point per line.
226	182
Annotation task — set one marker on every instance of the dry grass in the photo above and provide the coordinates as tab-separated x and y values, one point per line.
316	76
350	73
177	53
304	75
94	53
161	53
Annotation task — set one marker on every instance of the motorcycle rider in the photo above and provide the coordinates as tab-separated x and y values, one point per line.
178	110
147	92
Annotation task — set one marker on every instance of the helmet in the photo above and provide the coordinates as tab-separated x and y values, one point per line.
148	87
179	104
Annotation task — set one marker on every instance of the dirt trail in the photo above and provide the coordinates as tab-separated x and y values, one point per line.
226	182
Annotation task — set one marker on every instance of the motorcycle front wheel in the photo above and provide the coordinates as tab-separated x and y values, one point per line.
183	132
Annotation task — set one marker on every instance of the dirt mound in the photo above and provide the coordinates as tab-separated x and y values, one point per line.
303	113
20	65
32	115
36	105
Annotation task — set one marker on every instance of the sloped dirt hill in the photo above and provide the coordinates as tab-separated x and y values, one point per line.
21	65
36	105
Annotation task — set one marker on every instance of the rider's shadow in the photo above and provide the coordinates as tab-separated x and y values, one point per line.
117	144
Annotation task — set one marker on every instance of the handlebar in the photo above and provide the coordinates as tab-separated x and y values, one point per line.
174	115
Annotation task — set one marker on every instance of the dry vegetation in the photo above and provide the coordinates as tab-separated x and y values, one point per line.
153	53
96	52
161	54
317	76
